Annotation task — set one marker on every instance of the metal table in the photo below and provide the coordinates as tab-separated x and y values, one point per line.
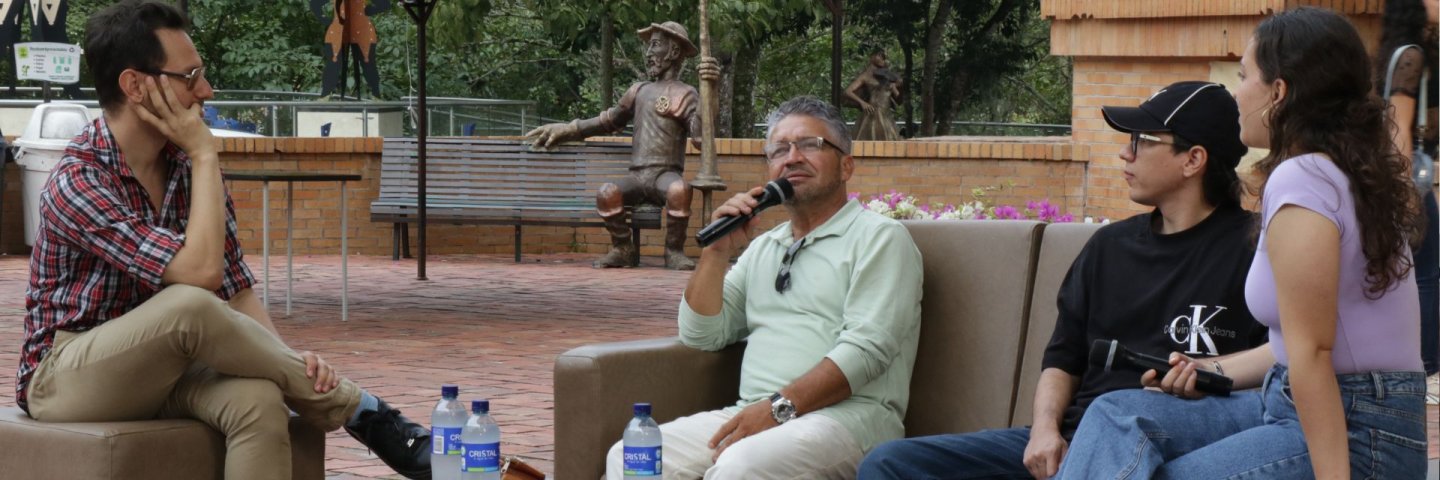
290	177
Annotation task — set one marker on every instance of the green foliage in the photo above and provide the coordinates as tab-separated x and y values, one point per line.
992	67
250	49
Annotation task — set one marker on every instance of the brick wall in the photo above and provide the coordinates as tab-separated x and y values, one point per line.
1032	169
12	223
1101	82
1124	51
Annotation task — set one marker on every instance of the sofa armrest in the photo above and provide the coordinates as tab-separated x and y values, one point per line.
595	385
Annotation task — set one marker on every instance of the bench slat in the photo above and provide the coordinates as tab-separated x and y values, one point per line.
501	182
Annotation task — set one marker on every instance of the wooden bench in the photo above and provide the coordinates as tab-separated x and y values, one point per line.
501	182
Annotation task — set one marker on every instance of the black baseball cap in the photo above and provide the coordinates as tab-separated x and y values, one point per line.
1202	113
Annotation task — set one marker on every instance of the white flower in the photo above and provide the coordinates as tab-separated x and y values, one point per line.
969	211
880	207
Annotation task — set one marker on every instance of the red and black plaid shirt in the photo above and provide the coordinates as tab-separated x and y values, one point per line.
101	247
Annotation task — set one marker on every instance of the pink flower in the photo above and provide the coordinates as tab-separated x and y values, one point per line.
1006	212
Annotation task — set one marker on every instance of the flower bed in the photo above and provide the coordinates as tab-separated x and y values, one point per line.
900	206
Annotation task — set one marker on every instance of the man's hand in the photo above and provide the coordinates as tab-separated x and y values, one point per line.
1180	380
1044	453
546	135
753	419
325	377
709	69
182	126
740	204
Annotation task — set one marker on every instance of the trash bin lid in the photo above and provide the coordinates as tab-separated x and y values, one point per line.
55	121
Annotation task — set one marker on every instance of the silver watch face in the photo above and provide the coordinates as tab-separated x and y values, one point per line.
782	409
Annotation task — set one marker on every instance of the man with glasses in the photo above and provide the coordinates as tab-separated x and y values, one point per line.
830	305
1171	280
140	303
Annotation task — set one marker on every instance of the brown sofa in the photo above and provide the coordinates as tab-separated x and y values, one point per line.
988	311
149	450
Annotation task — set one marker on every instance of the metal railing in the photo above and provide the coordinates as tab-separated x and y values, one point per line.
288	114
987	129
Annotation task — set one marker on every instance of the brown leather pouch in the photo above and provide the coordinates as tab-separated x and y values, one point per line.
516	469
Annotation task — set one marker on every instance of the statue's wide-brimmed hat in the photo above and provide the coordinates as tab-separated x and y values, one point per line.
676	31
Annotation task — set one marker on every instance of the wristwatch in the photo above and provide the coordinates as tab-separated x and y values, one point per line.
781	408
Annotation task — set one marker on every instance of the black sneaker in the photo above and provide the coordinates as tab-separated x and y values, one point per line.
402	444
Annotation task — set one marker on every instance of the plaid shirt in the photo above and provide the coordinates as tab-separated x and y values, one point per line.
102	248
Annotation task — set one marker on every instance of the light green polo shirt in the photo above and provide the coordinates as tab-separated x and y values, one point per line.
854	298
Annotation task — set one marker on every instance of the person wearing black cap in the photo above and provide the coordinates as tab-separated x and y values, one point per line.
1170	280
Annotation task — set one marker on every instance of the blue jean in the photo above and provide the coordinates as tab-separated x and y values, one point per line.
989	454
1427	277
1250	434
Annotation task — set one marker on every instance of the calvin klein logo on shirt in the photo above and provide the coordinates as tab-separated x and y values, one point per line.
1194	330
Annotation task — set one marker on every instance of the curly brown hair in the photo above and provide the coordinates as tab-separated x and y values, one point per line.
1331	108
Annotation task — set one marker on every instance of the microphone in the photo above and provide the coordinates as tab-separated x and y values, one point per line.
776	192
1110	354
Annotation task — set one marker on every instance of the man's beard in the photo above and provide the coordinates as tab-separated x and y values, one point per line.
806	196
657	68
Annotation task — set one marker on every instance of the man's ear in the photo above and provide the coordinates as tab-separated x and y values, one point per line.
132	83
847	167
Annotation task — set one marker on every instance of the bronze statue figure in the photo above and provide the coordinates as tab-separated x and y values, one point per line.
666	112
874	90
350	38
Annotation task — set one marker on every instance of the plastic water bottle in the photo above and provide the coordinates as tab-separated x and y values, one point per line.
642	445
480	444
445	423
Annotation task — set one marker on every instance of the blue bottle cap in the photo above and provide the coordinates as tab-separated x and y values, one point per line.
480	406
642	409
449	391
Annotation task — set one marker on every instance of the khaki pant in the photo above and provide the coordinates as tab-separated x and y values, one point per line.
186	354
809	447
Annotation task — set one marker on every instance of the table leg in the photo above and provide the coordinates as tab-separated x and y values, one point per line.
265	240
289	243
344	257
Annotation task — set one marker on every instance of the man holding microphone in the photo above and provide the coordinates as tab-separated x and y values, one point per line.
833	299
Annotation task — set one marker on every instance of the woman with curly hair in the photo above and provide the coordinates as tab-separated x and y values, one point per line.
1332	278
1412	22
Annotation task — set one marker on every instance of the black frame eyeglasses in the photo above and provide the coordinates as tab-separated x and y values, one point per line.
191	78
782	280
808	146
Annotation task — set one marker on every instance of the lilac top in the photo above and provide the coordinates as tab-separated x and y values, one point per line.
1372	335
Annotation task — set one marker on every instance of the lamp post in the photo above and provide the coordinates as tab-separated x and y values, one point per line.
420	11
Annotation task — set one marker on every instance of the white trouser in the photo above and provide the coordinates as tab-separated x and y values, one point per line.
810	446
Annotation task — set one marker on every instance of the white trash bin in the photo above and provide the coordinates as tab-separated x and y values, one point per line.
41	147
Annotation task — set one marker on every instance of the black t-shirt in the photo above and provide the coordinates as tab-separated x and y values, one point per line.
1151	292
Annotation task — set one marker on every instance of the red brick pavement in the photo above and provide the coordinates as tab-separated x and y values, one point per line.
485	323
490	325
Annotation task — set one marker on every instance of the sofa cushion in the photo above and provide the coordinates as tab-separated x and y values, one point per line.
1059	246
977	288
152	449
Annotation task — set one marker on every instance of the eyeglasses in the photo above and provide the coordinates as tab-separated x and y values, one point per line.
782	281
192	78
1136	137
808	146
